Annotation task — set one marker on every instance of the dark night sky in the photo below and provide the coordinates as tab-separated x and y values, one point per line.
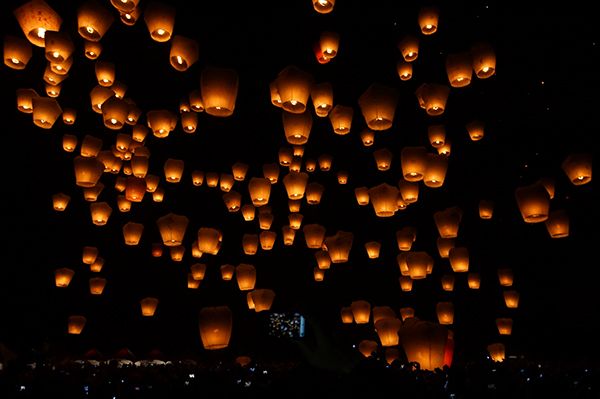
536	110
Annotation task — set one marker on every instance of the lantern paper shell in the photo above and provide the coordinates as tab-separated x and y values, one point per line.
367	137
339	246
428	20
289	235
406	313
505	277
196	101
373	248
246	276
91	193
233	201
227	272
219	89
459	259
209	240
93	20
511	299
129	18
432	97
409	47
323	6
383	159
578	168
314	235
476	130
341	119
486	209
98	96
172	229
362	195
378	105
197	177
92	50
60	201
384	199
497	352
177	253
448	282
191	283
162	122
367	347
504	326
263	299
361	311
418	264
444	245
35	18
293	86
97	285
387	330
184	53
215	327
322	98
405	70
160	20
323	259
435	170
63	277
87	171
318	274
459	70
325	161
89	255
212	179
25	100
267	240
239	171
295	184
45	111
250	244
406	283
414	163
382	312
297	127
76	324
448	222
105	73
484	60
445	312
329	43
409	191
314	192
533	202
405	238
124	5
132	233
347	315
557	224
474	281
17	52
424	342
135	189
114	113
173	170
148	306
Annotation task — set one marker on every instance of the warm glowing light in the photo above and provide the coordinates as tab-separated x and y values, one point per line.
91	53
429	26
41	33
323	2
179	60
59	68
89	29
410	53
294	102
189	127
485	69
127	16
55	54
160	32
161	131
51	79
217	107
460	79
14	60
328	51
113	121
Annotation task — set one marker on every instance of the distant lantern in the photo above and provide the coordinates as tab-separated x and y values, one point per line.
219	89
459	259
97	266
60	201
250	244
17	52
549	185
418	264
409	47
160	20
448	281
98	95
197	177
314	234
329	43
294	87
93	20
215	327
239	171
445	312
557	224
297	127
432	97
289	235
373	248
347	315
97	285
322	98
184	52
120	88
105	73
323	260
45	111
129	18
69	115
135	189
476	130
391	354
533	202
474	281
342	177
189	122
406	313
248	212
139	131
295	220
497	352
383	158
172	229
275	97
173	170
484	60
318	274
435	170
209	240
212	179
325	161
409	191
505	277
295	184
52	91
445	149
448	221
267	240
367	137
148	306
92	50
124	5
132	233
458	68
271	172
341	119
87	171
139	166
226	181
405	238
504	325
404	69
424	342
414	163
314	192
511	299
198	271
114	113
196	101
378	105
578	168
191	283
35	18
323	6
89	255
162	122
76	324
157	250
362	195
444	245
382	312
265	219
232	200
123	203
437	135
294	205
486	209
91	193
263	299
25	100
260	191
428	20
63	277
246	276
406	283
227	272
384	199
367	347
361	311
338	246
387	330
177	253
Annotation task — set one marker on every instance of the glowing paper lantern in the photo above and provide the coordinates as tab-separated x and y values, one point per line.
406	313
184	53
435	170
362	195
263	299
373	248
405	238
63	277
172	229
406	283
93	20
418	264
511	299
383	158
323	6
424	342
97	285
191	283
505	277
25	100
414	163
322	98
35	18
459	70
219	89
404	69
132	233
98	96
89	255
239	171
384	199
293	86
428	20
76	324
91	193
100	212
361	311
209	240
329	43
60	201
92	50
432	98
378	105
17	52
504	326
484	60
297	127
129	18
135	189
533	202
338	246
45	111
173	170
474	281
314	192
160	20
497	352
578	168
448	221
246	276
347	315
148	306
323	259
476	130
409	47
486	209
459	259
445	312
341	119
557	224
215	327
105	73
162	122
387	330
444	245
448	282
295	184
114	113
314	234
69	116
177	253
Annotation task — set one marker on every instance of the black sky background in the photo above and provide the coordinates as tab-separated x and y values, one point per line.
538	108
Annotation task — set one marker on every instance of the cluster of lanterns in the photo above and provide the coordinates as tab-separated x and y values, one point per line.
292	90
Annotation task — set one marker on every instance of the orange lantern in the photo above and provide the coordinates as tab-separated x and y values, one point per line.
338	246
35	18
373	248
367	347
123	204
418	264
248	212
184	53
17	52
76	323
297	127
384	199
45	111
246	276
409	191
162	122
428	20
405	70
484	60
534	203
105	73
329	43
406	313
406	283
91	193
409	47
323	259
424	342
100	212
139	133
578	168
93	20
378	105
405	238
239	171
557	224
341	119
325	161
504	325
177	253
148	306
233	201
289	235
459	259
448	282
135	189
160	20
191	283
250	244
511	299
172	229
89	255
267	240
219	89
60	201
92	50
361	311
227	272
173	170
474	281
445	312
129	18
387	330
458	68
448	221
414	163
435	170
209	240
294	87
318	274
476	130
314	235
63	277
497	352
444	245
323	6
362	195
263	299
322	98
486	209
383	158
347	315
314	192
97	266
432	97
25	100
97	285
215	327
295	184
189	122
505	277
132	233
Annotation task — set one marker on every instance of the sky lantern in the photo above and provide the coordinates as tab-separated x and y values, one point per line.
338	246
263	299
382	312
91	193
437	135
362	195
227	272
93	20
476	130
17	52
405	70
209	240
239	171
232	200
294	86
361	311
197	177
297	127
75	324
267	240
314	235
92	50
387	330
87	171
198	271
445	312
428	20
60	201
219	87
172	229
124	5
406	283
135	189
341	119
557	224
212	179
250	243
378	105
173	170
184	53
418	263
98	96
448	221
97	265
97	285
90	146
148	306
160	20
505	277
367	137
132	233
346	315
123	204
45	111
246	276
384	200
405	238
189	122
409	48
484	60
177	253
459	259
497	352
295	184
414	163
318	274
448	281
129	18
407	312
486	209
533	202
436	167
444	245
373	248
424	342
409	191
367	347
25	100
161	121
114	113
35	18
275	97
323	259
511	299
215	327
383	159
196	103
63	277
578	168
248	212
322	98
69	116
191	283
459	69
288	234
323	6
314	192
105	73
329	43
432	98
474	281
89	255
504	325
